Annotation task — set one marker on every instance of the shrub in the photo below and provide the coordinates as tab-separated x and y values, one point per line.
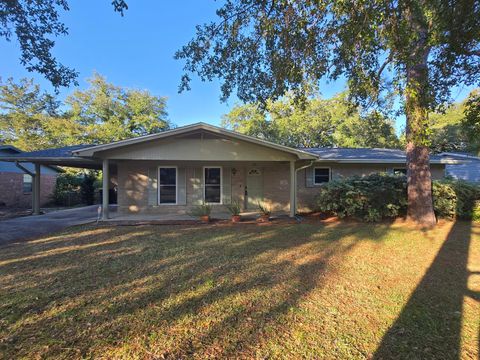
380	196
87	188
234	208
201	210
370	198
66	192
453	198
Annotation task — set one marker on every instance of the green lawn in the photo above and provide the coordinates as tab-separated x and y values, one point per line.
337	290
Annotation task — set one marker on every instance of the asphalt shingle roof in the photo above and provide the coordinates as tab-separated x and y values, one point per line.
63	152
360	154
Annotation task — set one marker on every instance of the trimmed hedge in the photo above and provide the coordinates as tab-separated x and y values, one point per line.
382	196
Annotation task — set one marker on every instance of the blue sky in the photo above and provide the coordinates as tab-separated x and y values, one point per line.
137	51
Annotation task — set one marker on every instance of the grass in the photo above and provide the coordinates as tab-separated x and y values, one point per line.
338	290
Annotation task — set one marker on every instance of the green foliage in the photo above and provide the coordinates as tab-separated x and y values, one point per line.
234	207
264	209
109	113
34	23
201	210
316	122
32	119
453	198
370	198
380	196
87	188
471	121
453	129
263	49
67	187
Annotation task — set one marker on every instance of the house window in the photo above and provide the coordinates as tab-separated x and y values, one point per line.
27	183
167	185
400	171
213	185
321	175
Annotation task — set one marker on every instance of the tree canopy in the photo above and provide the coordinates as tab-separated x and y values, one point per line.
316	123
35	24
450	129
420	49
32	119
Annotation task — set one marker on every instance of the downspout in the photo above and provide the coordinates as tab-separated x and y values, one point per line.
296	172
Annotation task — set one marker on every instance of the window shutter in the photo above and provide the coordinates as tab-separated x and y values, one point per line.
181	186
309	175
227	185
152	186
197	186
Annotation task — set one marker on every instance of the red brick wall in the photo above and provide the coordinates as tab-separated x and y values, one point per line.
11	190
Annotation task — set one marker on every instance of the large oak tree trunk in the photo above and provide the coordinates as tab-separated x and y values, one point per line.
420	203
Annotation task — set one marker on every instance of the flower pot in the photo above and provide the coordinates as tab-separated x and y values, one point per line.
236	218
205	219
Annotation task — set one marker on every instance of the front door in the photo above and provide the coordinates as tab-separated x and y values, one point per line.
254	188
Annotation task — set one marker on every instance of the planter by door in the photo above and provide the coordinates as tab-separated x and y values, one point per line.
254	188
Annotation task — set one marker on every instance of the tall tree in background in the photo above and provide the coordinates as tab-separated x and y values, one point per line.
471	121
35	24
110	113
264	48
315	123
31	119
450	131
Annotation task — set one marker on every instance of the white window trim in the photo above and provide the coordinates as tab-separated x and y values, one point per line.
329	174
221	185
176	184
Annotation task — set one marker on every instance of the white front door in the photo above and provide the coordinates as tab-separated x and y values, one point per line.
254	188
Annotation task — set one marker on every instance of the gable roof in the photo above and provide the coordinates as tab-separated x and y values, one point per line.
90	151
369	155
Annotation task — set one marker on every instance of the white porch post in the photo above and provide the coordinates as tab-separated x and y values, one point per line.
293	207
105	189
36	191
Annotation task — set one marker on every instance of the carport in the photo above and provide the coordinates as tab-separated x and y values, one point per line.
62	157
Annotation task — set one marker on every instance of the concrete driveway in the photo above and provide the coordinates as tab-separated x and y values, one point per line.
30	227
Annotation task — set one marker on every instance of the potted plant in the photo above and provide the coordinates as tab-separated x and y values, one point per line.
235	209
264	212
203	212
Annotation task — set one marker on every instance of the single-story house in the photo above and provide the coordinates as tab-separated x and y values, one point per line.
16	181
172	171
468	169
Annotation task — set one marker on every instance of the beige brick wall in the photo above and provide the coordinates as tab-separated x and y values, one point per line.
306	195
11	190
276	187
133	186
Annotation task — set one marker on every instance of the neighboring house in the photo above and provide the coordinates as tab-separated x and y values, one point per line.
468	169
172	171
16	185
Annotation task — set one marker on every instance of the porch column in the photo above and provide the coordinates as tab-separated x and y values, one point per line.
36	191
105	189
293	206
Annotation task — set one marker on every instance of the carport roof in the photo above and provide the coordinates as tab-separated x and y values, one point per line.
62	156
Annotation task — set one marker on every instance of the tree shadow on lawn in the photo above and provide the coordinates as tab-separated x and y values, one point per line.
430	324
171	291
